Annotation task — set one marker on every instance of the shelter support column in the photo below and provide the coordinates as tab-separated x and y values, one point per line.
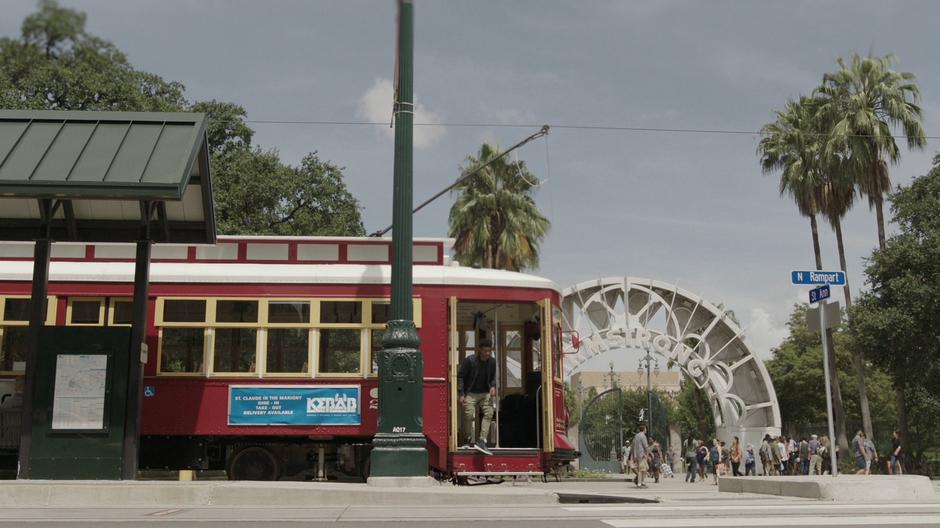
37	318
138	350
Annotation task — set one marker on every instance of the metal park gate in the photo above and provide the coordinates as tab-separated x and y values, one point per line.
600	432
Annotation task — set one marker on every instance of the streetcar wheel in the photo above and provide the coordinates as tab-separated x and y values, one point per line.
254	463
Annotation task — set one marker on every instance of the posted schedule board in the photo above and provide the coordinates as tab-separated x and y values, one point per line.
81	382
294	405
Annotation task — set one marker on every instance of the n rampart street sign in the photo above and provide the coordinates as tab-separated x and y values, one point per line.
818	277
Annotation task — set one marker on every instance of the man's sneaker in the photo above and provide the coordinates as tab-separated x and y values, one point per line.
481	447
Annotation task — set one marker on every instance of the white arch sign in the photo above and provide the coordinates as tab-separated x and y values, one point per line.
618	313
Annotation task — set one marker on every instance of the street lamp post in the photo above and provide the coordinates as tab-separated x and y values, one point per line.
399	446
649	361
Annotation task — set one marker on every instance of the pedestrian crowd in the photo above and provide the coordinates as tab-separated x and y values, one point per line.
780	455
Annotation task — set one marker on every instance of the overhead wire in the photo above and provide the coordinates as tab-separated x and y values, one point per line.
563	126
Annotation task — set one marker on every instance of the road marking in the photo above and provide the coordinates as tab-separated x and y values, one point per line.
731	507
164	513
929	520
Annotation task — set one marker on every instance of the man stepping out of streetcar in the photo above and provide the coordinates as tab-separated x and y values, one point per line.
476	386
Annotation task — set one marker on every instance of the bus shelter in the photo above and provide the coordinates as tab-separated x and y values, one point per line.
132	177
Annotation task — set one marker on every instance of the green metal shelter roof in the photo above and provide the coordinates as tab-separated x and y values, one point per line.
100	165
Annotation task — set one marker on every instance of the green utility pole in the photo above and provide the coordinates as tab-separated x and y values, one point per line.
399	445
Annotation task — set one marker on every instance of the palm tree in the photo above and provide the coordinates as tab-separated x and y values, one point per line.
792	145
865	99
837	197
494	220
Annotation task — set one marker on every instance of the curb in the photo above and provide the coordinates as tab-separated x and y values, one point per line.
104	494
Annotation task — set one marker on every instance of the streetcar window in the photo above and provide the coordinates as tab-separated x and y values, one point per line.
339	351
14	318
85	312
287	350
380	312
512	350
184	311
13	348
467	344
182	350
236	311
235	350
341	312
16	310
286	312
122	312
376	341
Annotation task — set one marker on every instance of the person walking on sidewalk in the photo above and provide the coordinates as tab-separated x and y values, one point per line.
701	456
871	455
858	449
749	461
690	466
476	385
803	450
714	460
895	465
736	457
639	456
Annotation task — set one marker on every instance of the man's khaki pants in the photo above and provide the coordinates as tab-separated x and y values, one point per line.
471	402
815	465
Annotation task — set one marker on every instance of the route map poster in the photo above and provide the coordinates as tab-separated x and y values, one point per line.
294	405
80	388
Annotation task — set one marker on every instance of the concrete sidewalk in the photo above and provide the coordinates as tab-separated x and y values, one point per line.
94	494
850	488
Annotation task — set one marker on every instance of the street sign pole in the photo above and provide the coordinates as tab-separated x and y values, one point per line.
825	279
825	352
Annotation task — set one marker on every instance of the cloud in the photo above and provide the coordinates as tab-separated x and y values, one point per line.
764	332
742	65
376	105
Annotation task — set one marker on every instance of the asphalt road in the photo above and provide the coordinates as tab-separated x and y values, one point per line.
681	505
763	513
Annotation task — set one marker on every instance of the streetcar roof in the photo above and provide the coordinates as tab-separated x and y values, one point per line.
230	273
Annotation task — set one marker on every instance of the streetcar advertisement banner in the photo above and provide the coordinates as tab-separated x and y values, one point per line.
294	405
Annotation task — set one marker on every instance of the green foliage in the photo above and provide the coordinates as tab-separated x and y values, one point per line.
257	194
57	65
586	474
572	406
693	412
797	373
227	129
494	220
896	320
863	100
790	144
616	411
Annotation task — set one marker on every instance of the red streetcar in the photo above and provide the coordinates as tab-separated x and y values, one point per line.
242	333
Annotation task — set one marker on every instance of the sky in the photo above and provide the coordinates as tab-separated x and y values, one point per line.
682	207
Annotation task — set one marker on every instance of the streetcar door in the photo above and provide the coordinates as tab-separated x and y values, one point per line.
516	333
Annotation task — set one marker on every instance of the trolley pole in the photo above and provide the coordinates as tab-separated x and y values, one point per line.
399	447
